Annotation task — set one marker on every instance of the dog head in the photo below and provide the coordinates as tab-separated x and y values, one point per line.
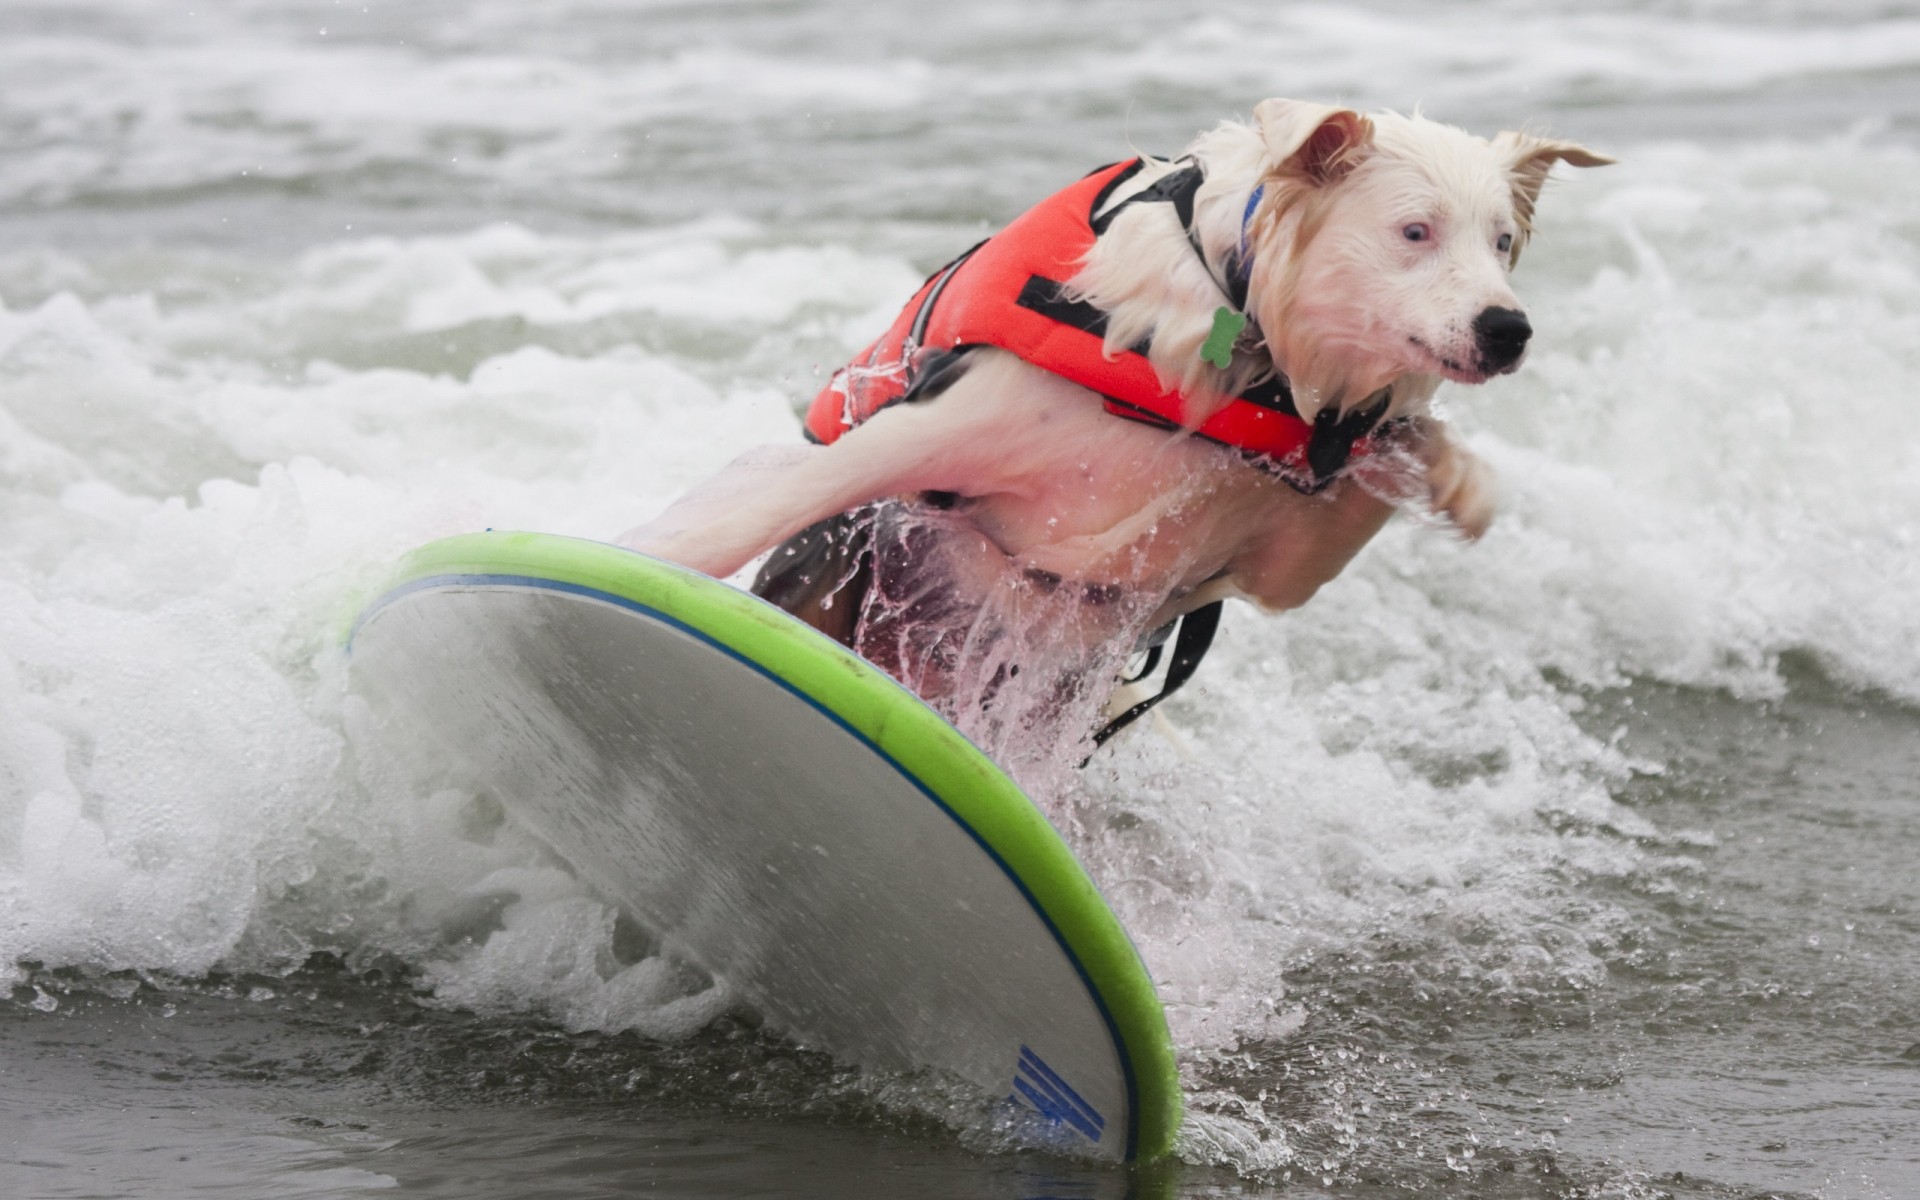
1382	246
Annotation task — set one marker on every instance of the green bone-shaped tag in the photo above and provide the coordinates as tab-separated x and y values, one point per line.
1218	348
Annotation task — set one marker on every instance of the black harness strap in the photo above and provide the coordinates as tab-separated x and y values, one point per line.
1048	298
1189	647
1179	188
917	335
1334	435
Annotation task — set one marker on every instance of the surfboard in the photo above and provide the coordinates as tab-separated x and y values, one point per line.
779	812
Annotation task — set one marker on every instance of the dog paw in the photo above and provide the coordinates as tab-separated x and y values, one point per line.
1461	488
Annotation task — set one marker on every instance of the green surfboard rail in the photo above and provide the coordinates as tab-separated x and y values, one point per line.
965	781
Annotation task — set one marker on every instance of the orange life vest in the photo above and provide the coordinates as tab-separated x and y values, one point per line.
1008	292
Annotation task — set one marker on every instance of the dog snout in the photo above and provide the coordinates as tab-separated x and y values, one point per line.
1500	335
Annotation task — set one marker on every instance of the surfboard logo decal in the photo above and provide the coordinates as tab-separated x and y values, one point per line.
1053	1098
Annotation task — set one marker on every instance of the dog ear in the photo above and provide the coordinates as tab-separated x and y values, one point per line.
1318	142
1528	160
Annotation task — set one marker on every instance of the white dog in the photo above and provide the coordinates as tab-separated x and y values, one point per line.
1271	313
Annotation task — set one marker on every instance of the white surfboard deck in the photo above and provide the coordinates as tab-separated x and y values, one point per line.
778	811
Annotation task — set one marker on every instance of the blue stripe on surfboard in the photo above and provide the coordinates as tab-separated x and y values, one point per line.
1054	1098
1055	1109
1036	1066
536	583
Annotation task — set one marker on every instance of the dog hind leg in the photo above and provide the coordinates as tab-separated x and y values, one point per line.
821	574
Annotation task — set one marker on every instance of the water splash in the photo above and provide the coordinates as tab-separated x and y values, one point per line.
1021	661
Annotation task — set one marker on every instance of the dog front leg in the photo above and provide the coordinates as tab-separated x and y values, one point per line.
759	501
1311	541
673	533
1460	486
752	505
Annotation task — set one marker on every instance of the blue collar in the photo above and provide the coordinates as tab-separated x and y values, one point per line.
1243	262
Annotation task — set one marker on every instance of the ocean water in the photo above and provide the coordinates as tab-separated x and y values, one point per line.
1576	863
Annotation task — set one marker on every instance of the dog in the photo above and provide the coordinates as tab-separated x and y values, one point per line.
1167	386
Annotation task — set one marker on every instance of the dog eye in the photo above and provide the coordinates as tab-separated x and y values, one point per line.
1419	231
1505	243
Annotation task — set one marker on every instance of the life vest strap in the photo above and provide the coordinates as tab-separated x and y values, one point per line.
1189	647
1181	188
1048	297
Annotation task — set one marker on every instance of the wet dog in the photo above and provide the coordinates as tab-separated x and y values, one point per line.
995	494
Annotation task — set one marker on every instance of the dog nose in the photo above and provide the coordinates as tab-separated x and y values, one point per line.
1501	335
